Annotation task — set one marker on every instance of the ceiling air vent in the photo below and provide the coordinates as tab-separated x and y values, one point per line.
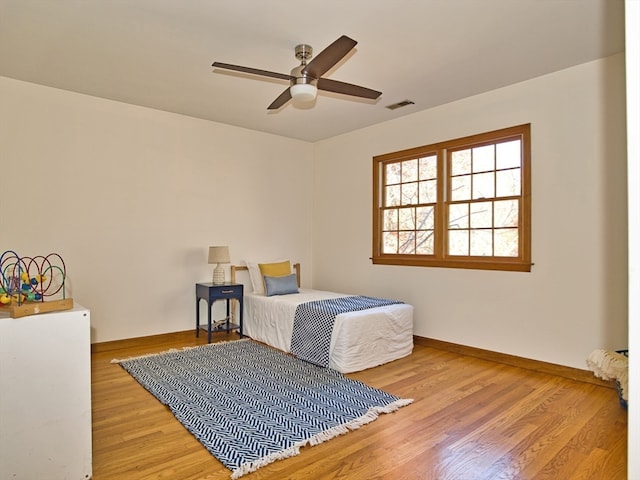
403	103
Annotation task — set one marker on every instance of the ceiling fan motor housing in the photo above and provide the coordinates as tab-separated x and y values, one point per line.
301	78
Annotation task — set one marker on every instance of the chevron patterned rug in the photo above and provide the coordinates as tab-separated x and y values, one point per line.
251	405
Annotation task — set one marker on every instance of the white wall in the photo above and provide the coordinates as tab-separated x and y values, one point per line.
574	300
132	197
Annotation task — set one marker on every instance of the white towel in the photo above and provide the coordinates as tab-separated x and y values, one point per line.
610	365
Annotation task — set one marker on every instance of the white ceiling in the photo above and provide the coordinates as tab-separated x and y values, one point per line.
158	53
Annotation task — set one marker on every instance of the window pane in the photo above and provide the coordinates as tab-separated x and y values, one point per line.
508	154
424	218
390	220
459	216
410	170
389	242
461	188
406	219
481	215
407	242
461	162
483	159
392	173
428	167
424	242
409	193
481	243
459	242
508	183
506	242
506	213
428	191
483	186
392	196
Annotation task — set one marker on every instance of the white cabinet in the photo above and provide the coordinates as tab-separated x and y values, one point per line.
45	396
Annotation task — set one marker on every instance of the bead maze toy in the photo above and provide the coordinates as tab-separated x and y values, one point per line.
28	284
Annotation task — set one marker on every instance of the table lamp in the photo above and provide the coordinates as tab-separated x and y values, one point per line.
218	255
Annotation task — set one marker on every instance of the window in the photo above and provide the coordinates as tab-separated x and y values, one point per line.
463	203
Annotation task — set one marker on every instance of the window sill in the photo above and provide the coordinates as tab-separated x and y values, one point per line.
509	265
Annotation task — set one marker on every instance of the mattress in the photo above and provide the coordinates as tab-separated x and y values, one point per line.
360	340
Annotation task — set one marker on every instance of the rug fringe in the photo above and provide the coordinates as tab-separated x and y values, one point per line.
321	437
173	350
146	355
356	423
266	460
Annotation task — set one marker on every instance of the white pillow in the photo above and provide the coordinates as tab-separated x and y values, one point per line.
256	276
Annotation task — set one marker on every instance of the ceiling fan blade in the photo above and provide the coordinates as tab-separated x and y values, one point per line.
327	58
347	89
254	71
281	100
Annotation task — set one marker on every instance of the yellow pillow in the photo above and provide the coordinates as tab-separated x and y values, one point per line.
279	269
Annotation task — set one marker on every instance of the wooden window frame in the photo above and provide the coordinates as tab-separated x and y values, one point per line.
441	258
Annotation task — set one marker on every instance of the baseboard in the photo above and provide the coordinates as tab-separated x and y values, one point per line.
111	345
515	361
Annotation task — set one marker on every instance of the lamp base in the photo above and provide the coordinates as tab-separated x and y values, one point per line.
218	275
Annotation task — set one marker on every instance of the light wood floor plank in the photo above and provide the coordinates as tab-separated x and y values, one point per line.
471	419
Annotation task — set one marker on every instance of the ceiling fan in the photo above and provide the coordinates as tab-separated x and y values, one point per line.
306	79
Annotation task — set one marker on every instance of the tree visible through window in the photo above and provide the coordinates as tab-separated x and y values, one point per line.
463	203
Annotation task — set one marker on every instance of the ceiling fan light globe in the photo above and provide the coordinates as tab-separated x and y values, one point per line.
304	92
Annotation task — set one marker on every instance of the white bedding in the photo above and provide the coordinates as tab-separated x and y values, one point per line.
360	340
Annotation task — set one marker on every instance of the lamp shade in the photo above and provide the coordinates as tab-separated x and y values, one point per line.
303	92
219	255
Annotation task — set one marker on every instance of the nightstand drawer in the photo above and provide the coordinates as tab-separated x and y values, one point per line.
210	292
230	291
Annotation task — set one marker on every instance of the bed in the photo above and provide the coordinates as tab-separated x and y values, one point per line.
359	340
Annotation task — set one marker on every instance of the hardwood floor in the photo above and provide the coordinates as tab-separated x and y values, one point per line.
471	419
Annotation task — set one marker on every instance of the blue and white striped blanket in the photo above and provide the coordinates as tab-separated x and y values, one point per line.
313	324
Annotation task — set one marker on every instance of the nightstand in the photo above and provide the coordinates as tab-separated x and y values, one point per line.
211	293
